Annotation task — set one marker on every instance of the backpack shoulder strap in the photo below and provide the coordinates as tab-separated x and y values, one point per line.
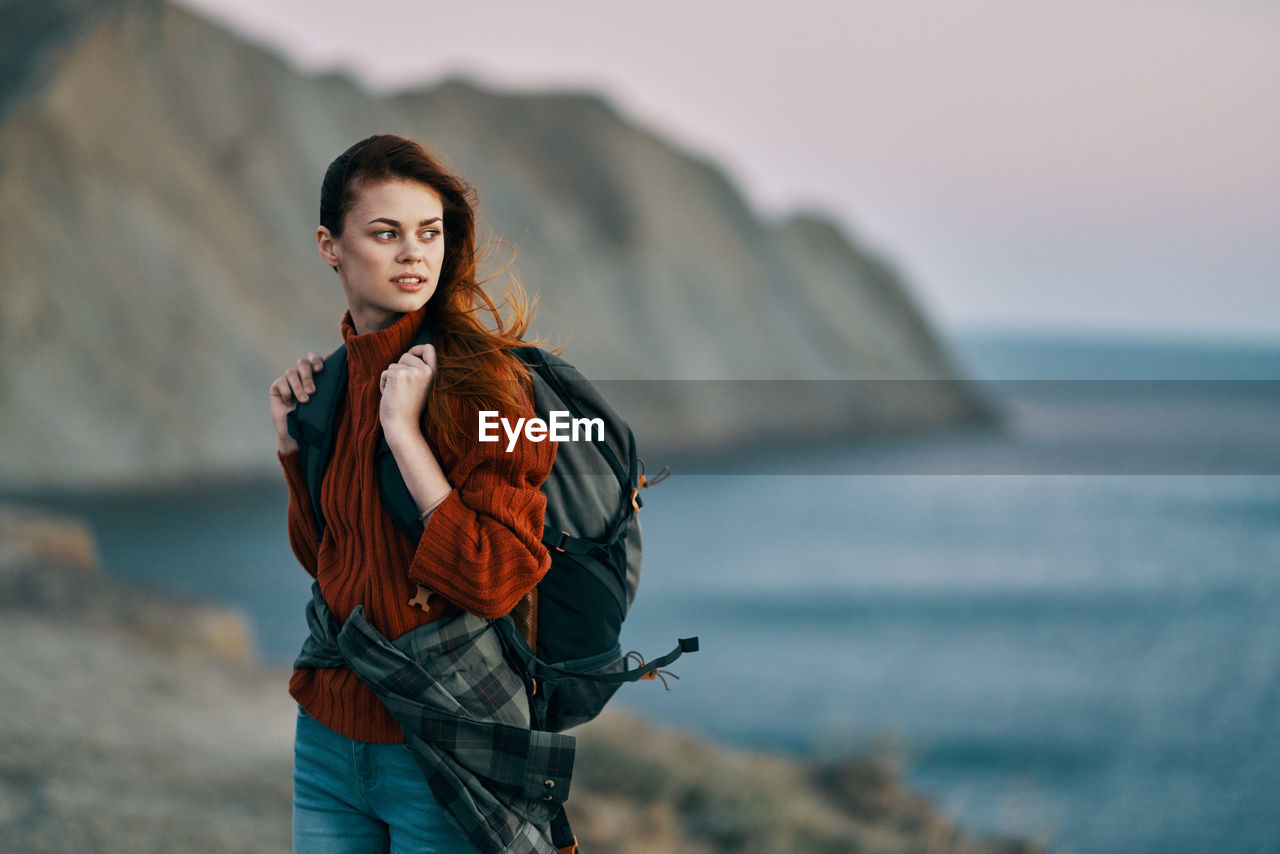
573	390
545	365
397	501
396	498
311	424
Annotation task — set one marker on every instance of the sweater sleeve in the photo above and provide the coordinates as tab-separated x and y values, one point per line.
482	548
304	533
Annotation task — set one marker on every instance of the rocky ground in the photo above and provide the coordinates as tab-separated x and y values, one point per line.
133	721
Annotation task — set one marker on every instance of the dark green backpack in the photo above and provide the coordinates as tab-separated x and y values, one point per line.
591	529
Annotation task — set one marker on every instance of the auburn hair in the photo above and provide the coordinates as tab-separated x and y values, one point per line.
476	367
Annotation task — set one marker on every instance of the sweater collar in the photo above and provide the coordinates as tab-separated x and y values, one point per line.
370	353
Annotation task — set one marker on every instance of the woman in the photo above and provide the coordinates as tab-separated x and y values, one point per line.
399	231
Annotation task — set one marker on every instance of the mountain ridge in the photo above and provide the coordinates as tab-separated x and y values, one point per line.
158	188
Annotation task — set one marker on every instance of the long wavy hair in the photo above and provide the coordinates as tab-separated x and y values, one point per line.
475	365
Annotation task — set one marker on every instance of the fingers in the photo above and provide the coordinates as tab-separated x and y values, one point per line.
394	371
301	377
425	353
410	373
281	402
282	391
417	364
297	386
408	369
298	383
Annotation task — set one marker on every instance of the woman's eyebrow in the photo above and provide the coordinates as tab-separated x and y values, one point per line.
396	223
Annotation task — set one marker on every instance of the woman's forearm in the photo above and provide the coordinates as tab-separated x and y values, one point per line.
419	467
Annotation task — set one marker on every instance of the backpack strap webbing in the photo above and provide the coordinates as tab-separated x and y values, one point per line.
561	833
396	498
533	665
311	425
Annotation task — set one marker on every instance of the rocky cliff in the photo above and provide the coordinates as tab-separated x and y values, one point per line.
158	191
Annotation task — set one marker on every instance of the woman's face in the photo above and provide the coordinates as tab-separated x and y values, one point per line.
390	252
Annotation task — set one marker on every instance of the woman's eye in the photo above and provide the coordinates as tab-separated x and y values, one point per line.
385	233
429	233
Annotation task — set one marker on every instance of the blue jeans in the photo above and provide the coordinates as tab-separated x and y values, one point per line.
358	797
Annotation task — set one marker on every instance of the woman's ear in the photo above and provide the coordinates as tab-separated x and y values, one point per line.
328	246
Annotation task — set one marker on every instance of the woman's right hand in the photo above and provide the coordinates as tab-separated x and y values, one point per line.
294	387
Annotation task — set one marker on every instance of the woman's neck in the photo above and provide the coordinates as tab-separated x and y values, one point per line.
366	321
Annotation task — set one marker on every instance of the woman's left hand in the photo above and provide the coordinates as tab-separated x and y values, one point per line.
404	388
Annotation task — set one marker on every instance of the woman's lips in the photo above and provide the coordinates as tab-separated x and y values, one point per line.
410	284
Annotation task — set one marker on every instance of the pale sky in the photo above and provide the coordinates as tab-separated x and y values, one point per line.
1103	165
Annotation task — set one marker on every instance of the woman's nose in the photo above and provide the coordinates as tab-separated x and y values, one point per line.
410	252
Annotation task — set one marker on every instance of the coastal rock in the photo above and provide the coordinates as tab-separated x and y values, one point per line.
182	163
49	567
31	537
653	790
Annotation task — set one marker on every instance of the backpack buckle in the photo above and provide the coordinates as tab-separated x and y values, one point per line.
563	535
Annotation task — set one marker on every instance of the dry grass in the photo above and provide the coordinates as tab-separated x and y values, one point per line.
640	788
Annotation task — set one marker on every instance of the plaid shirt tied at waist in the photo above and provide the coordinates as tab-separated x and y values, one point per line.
465	718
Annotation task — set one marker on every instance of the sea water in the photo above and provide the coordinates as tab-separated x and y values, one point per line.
1069	631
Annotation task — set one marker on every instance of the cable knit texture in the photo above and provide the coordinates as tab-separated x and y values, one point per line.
482	550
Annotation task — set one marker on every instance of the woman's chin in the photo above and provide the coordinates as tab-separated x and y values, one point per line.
407	302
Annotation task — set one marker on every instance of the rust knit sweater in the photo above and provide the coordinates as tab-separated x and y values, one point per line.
482	550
